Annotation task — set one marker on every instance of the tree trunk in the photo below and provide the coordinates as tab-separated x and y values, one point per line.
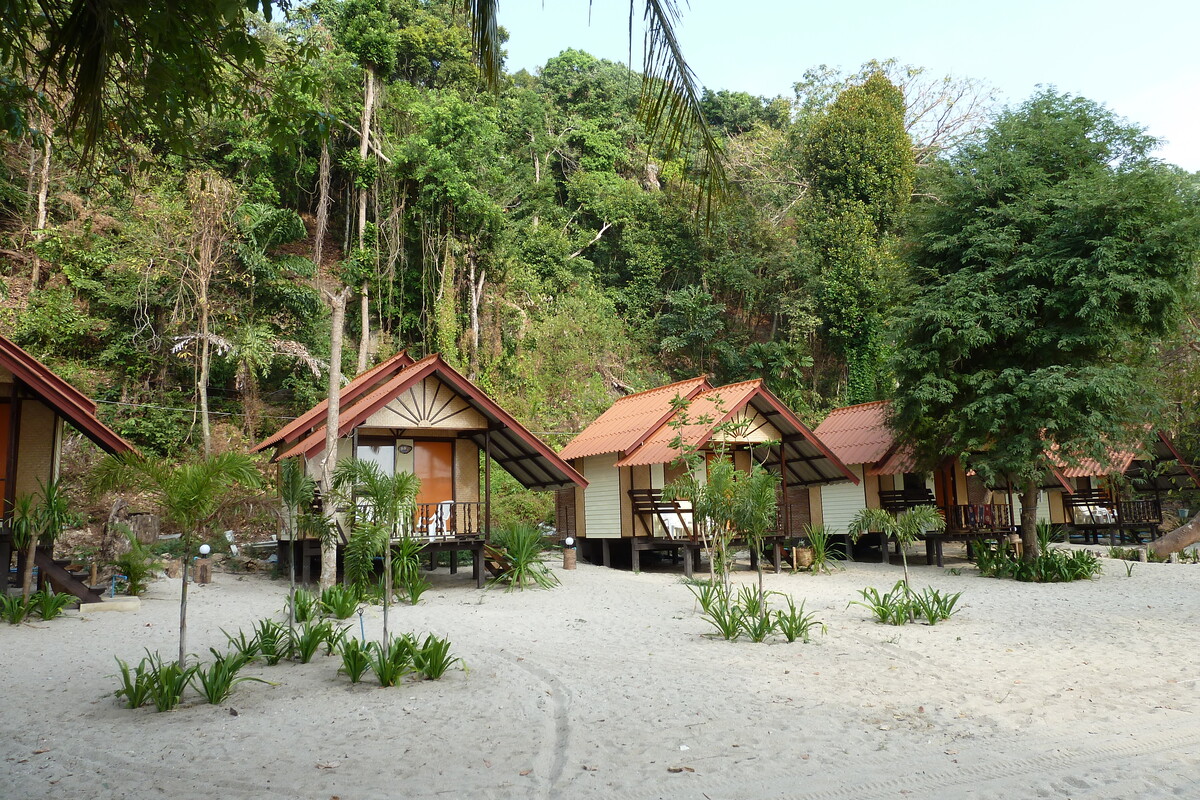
1176	540
43	195
330	542
202	380
30	555
1029	541
323	173
183	571
364	340
364	144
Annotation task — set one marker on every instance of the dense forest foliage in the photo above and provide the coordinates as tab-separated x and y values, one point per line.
537	235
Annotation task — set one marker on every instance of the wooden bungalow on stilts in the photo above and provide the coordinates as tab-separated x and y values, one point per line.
1122	497
425	418
627	457
35	407
860	436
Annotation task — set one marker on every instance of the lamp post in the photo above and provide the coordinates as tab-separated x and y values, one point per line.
569	553
203	572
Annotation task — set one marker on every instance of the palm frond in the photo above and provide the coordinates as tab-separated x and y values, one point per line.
670	105
485	35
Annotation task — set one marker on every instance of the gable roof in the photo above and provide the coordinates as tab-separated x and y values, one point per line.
515	449
350	392
638	428
630	420
1138	463
67	401
858	434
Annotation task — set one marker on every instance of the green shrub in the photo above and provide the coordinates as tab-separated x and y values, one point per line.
167	681
818	538
355	659
1052	565
902	605
432	658
793	624
391	662
218	679
136	565
50	604
135	683
304	606
13	610
524	548
340	601
406	569
247	649
305	641
274	644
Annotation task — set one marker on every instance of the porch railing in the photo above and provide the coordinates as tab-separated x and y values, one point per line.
978	517
448	520
1140	512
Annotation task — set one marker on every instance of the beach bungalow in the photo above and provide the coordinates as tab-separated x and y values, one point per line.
888	478
1123	496
627	457
425	418
35	407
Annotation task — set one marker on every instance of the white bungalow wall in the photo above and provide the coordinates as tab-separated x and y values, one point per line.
602	498
841	501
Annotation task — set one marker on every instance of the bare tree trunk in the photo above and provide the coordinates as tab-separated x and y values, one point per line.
1176	540
1029	540
329	543
364	341
476	301
183	571
364	144
322	205
30	555
39	224
202	380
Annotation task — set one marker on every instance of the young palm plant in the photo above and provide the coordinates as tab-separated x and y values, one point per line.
296	492
906	527
190	495
390	502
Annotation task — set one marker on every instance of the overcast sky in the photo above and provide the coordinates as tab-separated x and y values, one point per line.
1138	58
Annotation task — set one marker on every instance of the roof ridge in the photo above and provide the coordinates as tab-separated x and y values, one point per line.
660	388
859	405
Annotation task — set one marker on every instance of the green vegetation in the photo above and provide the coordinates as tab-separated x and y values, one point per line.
524	547
902	605
748	613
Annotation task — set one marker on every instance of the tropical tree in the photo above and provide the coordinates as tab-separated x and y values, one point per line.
190	495
906	527
296	493
1058	251
389	502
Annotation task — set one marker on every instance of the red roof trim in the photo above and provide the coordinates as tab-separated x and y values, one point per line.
296	428
1178	457
804	429
67	401
670	412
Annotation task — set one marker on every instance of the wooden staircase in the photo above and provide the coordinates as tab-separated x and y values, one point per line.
64	581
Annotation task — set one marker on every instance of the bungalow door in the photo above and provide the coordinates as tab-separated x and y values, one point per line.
433	464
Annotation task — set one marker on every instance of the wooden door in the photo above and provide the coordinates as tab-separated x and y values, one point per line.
433	463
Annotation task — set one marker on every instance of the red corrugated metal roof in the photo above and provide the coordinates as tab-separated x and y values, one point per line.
631	420
808	460
515	449
350	392
67	401
858	434
707	410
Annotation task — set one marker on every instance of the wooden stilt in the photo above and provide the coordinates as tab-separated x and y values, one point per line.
688	569
635	556
605	553
477	564
777	551
453	562
883	547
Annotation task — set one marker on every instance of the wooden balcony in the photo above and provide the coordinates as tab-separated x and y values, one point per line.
978	518
449	520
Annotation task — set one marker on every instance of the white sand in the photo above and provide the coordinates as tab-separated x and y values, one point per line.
597	688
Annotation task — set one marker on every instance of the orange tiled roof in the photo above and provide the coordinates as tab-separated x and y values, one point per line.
631	420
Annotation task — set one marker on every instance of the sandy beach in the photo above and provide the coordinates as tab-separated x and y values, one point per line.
608	686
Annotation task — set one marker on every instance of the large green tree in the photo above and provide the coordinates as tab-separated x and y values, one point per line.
1057	251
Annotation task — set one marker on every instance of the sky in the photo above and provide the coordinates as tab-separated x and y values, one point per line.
1138	59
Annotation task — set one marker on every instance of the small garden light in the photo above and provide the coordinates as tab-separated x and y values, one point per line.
569	553
205	550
